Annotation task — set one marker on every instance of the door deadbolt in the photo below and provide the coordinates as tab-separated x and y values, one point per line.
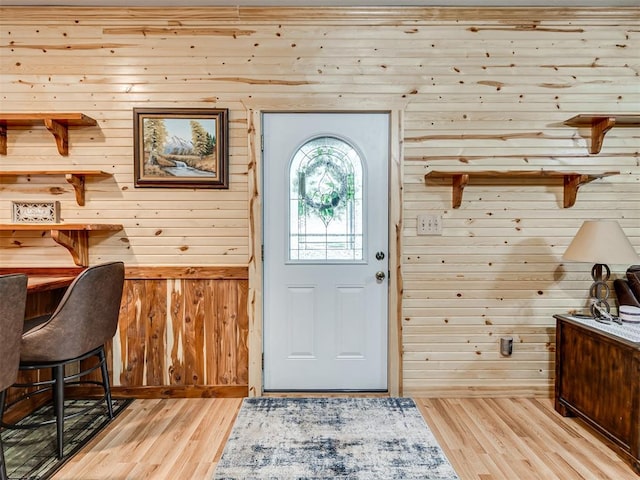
379	255
380	276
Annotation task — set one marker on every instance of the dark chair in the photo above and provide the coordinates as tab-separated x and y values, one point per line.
13	298
84	320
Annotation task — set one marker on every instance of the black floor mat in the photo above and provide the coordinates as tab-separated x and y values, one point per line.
31	453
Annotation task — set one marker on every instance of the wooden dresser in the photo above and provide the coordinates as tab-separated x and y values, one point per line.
598	380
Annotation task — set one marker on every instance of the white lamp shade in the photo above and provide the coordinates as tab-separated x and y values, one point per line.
601	241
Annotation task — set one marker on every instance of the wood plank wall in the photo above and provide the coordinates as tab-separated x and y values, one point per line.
484	89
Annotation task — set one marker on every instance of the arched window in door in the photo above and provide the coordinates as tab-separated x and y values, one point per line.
325	202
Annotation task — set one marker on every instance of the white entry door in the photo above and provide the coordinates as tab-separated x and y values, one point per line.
326	241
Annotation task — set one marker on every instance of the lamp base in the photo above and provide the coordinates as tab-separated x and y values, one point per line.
599	291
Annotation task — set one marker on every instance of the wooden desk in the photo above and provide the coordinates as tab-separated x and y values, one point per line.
45	289
43	276
46	286
37	284
44	294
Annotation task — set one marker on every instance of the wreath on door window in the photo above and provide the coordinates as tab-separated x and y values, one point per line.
325	185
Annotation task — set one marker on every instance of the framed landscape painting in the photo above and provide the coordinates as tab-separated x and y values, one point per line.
180	147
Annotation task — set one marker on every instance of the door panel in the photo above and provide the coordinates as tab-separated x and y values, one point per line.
351	324
300	322
325	219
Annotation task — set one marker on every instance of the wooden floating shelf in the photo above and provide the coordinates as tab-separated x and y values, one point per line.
571	181
73	236
600	124
75	177
57	123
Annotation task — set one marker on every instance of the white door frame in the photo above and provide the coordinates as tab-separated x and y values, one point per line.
255	109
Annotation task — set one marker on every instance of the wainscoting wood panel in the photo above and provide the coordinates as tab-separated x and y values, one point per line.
182	334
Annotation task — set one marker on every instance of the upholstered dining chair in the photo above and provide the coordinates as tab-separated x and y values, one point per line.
84	320
13	298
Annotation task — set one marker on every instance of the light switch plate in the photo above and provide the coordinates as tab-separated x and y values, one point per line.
429	224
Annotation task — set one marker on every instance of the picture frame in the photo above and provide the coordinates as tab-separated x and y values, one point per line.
181	147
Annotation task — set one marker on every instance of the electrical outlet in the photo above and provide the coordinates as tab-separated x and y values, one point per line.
429	224
506	346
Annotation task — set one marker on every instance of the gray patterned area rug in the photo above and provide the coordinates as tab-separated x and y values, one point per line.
327	438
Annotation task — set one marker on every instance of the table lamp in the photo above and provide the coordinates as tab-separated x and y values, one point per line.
600	242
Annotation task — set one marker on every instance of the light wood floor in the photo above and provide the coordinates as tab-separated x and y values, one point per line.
487	439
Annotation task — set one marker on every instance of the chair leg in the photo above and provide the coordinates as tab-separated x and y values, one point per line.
58	405
3	398
3	467
105	381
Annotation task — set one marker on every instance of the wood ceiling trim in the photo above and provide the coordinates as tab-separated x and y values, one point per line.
315	15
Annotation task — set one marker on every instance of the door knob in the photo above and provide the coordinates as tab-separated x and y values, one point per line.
380	276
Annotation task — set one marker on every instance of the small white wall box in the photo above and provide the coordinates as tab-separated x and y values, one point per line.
38	212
